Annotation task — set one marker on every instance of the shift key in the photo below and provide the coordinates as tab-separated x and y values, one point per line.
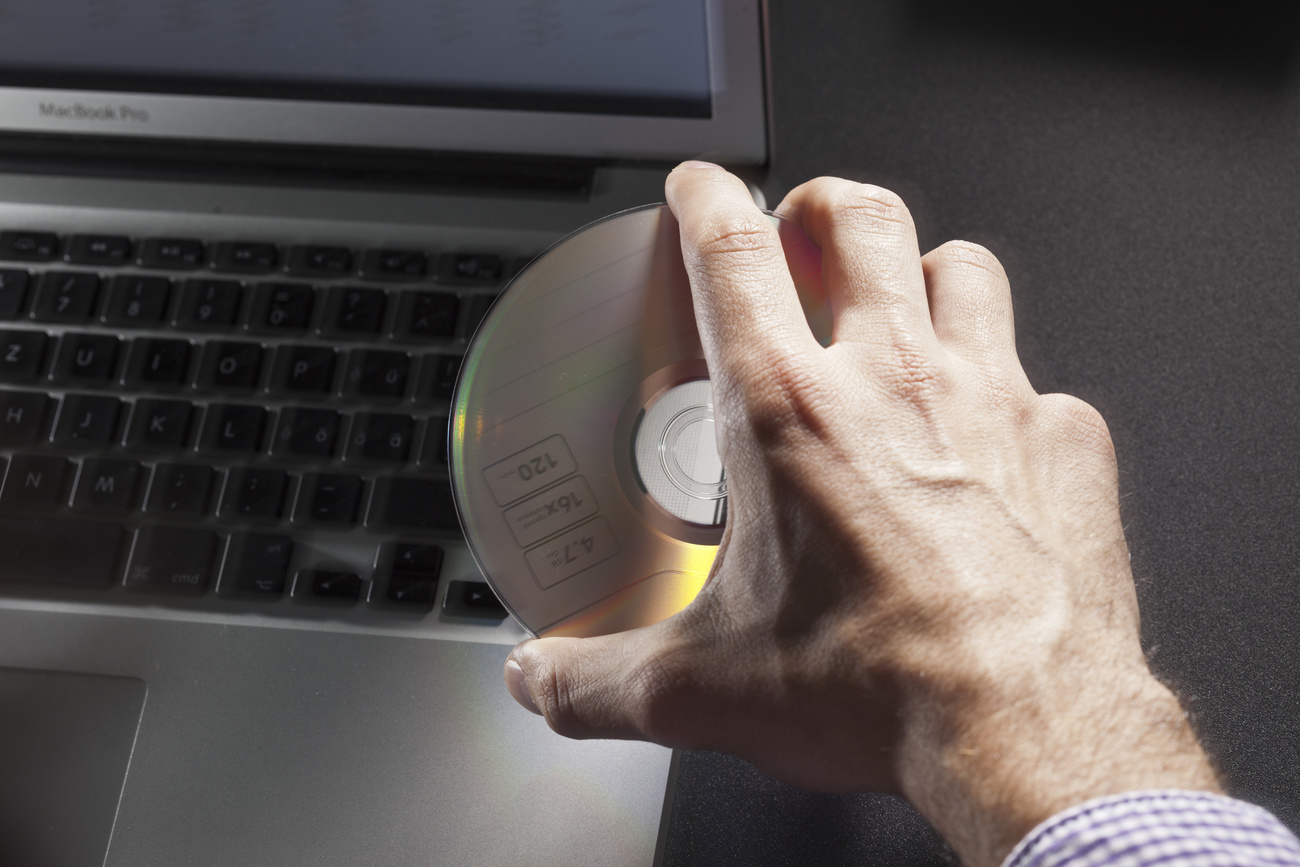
171	560
63	552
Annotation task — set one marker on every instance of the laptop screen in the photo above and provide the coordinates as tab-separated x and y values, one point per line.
661	79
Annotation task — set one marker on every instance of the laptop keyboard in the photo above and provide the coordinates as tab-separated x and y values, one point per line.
242	424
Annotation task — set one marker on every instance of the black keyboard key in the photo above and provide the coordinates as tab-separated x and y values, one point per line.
416	592
159	425
159	362
233	428
359	311
254	494
29	246
257	565
137	300
378	373
171	560
180	490
282	308
210	305
307	369
434	452
517	264
417	504
87	419
330	498
232	366
180	254
433	314
66	296
87	358
479	306
59	551
320	261
381	437
470	268
327	586
395	264
442	371
246	257
35	483
474	600
107	486
416	560
100	250
413	576
22	355
307	433
13	292
24	417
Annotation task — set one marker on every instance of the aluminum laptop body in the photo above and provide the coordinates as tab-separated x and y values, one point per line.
242	248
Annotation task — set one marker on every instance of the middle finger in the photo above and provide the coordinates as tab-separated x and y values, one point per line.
871	265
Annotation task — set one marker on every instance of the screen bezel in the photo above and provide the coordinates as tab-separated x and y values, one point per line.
736	131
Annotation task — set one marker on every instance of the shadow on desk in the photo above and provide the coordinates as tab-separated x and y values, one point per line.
1238	39
726	812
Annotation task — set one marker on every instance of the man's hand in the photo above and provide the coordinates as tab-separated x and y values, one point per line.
923	586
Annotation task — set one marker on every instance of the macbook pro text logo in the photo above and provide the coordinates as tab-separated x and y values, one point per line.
106	113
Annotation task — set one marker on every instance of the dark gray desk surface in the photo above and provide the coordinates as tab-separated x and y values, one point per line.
1138	173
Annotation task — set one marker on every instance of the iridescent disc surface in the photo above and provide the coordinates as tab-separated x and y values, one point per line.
583	456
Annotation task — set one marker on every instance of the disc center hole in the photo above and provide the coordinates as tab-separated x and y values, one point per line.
676	453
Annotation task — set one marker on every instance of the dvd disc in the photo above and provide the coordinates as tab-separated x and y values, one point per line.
583	457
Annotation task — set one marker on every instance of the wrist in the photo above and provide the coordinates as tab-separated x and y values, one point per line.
985	766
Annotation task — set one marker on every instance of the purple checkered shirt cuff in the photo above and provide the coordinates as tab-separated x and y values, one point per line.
1165	828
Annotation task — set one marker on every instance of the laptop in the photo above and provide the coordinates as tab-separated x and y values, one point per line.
243	247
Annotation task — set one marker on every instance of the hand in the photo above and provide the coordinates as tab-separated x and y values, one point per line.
923	586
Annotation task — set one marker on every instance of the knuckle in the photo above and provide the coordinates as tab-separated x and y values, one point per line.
660	684
556	700
874	209
743	243
1078	424
969	256
648	693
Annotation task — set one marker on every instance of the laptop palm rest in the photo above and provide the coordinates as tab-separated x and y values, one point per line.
65	741
262	745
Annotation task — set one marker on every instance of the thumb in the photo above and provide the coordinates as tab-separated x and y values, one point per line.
610	686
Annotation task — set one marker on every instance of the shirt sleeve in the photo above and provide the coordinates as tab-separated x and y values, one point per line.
1165	828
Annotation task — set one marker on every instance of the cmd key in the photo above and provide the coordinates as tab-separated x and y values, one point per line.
171	560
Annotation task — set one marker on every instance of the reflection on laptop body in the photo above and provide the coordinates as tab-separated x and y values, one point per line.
242	248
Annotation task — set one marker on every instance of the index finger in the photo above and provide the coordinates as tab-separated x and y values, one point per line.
746	305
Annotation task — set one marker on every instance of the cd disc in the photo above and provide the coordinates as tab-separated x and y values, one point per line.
583	456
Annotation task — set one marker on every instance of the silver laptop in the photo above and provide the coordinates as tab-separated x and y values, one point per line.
243	247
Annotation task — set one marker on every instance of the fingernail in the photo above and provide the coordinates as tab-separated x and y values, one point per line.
518	686
699	164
